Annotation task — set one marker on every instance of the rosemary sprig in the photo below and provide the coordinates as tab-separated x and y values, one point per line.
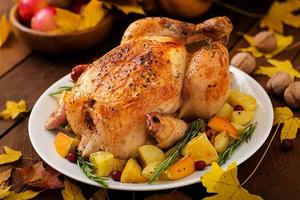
196	127
245	137
88	169
60	90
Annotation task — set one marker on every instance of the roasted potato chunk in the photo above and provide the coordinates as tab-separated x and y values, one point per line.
132	172
103	161
149	154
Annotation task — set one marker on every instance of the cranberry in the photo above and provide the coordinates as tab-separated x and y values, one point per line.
287	145
116	175
77	71
200	165
72	157
238	108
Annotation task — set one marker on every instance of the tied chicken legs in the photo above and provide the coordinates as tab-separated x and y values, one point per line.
145	86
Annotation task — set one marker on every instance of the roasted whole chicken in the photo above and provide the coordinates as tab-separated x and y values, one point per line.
147	86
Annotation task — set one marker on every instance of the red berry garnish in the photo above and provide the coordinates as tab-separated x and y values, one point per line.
200	165
238	108
77	71
116	175
72	157
287	145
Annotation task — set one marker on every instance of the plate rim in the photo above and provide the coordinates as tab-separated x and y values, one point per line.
157	185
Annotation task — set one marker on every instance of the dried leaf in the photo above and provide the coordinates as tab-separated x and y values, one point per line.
28	194
282	43
126	8
4	192
9	156
38	176
279	66
4	176
284	115
13	109
281	13
67	21
225	184
5	30
71	191
99	195
173	196
92	14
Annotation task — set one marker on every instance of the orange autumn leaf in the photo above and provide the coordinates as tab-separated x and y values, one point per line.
39	176
5	29
13	109
282	13
225	184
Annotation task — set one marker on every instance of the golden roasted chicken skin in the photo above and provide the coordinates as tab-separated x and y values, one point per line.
149	73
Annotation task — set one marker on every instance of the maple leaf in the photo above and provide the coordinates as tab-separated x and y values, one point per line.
28	194
92	14
38	176
279	13
284	115
71	191
225	184
67	21
9	156
282	43
279	66
99	195
5	29
4	192
13	109
4	176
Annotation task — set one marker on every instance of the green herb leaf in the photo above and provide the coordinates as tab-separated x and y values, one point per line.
196	127
60	90
245	137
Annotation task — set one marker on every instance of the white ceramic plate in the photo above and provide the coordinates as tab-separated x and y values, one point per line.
43	140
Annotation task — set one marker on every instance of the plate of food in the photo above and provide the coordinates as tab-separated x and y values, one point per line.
145	117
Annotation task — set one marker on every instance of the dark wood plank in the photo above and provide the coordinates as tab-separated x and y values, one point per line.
14	50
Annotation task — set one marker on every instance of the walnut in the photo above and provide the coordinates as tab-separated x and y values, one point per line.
292	95
265	41
244	61
278	83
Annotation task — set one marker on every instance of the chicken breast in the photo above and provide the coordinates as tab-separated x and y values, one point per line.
108	104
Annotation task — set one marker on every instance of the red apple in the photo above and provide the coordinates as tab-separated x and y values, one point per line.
27	8
44	20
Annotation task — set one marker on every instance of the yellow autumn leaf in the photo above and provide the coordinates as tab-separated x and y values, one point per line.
28	194
99	195
282	43
9	156
284	115
4	192
126	8
13	109
67	21
5	29
278	66
281	13
71	191
92	14
4	176
225	184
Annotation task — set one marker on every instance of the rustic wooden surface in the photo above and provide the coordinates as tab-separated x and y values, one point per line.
25	74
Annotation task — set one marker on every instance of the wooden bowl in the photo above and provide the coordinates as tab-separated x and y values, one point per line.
57	43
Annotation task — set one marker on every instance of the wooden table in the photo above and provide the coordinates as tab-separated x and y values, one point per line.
25	74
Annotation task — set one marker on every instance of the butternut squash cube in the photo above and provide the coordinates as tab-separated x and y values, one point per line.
181	168
65	144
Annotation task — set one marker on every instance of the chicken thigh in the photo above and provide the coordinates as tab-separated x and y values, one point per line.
110	104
